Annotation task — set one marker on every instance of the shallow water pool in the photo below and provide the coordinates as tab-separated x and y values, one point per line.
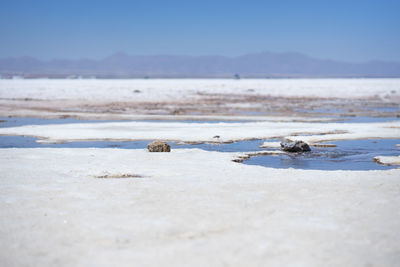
347	155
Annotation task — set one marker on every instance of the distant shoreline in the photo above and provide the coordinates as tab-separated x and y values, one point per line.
64	77
256	65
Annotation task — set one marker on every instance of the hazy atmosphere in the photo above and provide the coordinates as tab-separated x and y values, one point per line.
199	133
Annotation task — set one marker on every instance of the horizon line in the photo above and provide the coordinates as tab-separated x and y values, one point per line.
197	56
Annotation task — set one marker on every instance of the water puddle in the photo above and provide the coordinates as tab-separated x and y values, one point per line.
30	142
347	155
362	119
16	121
392	109
370	114
241	146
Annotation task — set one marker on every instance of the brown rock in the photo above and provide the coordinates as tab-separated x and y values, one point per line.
158	146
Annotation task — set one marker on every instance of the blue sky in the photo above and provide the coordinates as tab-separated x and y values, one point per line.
341	30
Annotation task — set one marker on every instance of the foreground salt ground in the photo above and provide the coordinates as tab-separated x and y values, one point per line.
191	207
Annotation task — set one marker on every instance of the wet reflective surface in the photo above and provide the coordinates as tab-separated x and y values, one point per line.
362	119
15	121
347	155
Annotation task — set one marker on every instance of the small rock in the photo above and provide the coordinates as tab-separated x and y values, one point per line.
294	146
158	146
216	136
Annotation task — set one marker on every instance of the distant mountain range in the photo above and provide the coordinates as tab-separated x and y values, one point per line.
259	65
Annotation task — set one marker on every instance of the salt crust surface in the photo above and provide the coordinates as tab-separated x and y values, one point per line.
388	160
173	89
192	208
205	132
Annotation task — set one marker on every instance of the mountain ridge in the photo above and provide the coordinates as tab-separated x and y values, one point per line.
254	65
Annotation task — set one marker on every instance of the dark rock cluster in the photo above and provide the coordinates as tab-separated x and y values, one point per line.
294	146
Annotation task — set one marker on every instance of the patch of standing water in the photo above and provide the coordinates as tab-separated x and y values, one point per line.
384	109
347	155
30	142
362	119
241	146
342	116
17	121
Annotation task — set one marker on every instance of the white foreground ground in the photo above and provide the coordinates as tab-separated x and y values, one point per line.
191	208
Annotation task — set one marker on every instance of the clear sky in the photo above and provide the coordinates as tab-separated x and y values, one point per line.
351	30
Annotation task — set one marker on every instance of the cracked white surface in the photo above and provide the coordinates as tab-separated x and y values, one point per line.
171	89
388	160
194	208
193	132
